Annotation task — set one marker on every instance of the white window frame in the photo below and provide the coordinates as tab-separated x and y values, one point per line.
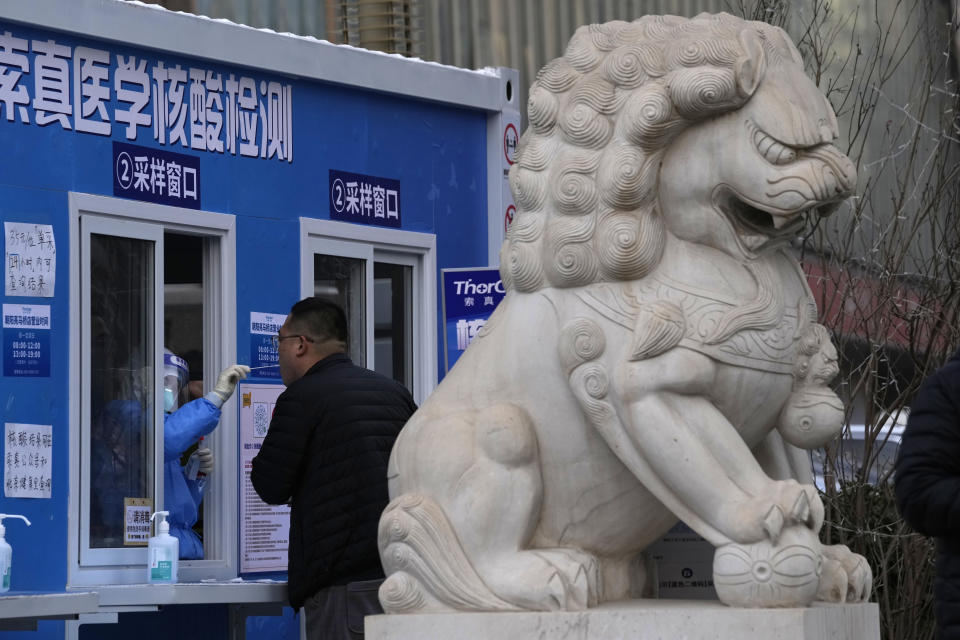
139	231
121	566
412	261
394	246
355	251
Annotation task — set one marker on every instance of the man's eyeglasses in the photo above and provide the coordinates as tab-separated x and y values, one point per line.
277	338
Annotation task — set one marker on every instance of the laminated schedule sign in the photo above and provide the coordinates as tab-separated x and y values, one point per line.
264	528
26	340
263	355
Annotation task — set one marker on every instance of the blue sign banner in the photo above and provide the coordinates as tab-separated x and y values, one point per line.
156	175
26	340
364	199
469	297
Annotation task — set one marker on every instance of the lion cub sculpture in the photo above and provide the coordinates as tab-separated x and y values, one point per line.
656	356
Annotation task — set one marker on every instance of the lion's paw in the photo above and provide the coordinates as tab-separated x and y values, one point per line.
786	503
581	572
800	504
557	579
846	576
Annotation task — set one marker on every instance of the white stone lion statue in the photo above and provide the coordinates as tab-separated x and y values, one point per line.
656	356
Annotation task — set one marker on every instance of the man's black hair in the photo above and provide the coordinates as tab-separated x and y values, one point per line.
320	319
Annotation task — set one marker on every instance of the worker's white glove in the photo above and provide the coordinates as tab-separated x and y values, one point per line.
200	463
205	457
226	383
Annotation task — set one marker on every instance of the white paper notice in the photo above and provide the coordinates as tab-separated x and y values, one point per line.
264	528
28	460
31	259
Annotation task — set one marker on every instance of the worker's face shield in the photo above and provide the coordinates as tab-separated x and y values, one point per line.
175	377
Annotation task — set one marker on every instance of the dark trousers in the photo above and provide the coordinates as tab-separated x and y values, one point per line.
336	613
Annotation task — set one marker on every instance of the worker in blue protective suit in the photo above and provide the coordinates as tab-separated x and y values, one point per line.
117	468
182	427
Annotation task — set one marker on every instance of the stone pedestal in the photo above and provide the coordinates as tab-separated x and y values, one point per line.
640	620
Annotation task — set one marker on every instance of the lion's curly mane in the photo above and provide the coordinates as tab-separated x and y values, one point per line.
600	119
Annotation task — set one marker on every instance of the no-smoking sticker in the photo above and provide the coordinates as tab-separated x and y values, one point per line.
510	139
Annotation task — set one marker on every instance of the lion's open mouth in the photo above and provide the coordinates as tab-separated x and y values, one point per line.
755	226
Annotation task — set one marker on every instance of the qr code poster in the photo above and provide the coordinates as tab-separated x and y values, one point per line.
262	412
256	401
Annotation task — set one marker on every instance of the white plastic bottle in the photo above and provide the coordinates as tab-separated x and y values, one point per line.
163	551
6	552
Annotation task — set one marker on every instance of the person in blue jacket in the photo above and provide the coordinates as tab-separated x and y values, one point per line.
182	427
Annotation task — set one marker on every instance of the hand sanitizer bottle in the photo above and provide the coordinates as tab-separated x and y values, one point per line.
163	551
6	552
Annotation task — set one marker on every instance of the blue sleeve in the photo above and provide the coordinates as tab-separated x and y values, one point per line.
184	426
181	500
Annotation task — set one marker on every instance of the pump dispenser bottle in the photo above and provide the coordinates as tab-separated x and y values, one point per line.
6	552
163	551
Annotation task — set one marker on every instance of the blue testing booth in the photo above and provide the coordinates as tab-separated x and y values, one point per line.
168	181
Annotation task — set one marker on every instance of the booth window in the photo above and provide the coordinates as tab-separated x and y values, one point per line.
122	377
384	280
342	280
393	321
123	366
150	278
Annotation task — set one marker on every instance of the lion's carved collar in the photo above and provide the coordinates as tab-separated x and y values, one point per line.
759	334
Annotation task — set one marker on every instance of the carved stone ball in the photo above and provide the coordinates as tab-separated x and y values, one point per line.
763	574
811	417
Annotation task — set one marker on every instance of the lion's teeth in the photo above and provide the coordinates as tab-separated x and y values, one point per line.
781	221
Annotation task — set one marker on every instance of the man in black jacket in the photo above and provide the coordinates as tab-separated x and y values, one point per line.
927	482
326	453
